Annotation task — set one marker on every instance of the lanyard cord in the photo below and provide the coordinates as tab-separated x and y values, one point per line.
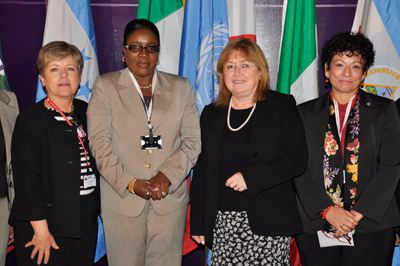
70	124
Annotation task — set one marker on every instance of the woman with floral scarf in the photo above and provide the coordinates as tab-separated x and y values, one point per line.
346	196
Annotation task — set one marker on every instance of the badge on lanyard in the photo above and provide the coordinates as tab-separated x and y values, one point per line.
89	181
151	142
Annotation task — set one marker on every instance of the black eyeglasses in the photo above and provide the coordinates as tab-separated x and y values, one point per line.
137	48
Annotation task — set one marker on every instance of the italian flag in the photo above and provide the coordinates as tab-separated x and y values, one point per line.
167	15
298	65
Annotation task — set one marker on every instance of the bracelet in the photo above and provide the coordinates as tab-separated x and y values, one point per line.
324	212
131	184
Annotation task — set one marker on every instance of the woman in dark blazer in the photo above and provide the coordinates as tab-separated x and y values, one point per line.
353	167
56	192
242	196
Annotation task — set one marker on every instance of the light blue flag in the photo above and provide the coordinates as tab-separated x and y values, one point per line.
204	36
380	21
71	21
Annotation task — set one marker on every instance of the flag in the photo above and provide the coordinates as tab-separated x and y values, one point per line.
298	64
241	19
204	36
3	80
71	21
205	33
379	20
167	15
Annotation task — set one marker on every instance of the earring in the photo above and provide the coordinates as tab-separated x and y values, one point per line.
158	61
326	83
362	84
123	59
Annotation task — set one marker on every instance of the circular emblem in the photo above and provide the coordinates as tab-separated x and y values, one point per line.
383	81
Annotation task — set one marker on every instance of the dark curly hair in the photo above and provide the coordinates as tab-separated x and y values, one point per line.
348	43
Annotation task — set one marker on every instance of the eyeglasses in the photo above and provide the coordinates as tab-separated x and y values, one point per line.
79	127
242	68
137	48
331	234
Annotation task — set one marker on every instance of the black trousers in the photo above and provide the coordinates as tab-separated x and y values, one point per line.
373	249
71	252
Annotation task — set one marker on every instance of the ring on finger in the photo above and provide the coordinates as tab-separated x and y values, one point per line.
342	225
148	193
163	193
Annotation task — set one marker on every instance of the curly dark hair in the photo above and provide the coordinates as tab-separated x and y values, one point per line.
348	43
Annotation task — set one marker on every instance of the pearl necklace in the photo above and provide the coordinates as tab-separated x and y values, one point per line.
145	87
245	122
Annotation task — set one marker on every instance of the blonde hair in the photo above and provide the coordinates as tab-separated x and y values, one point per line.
56	51
250	51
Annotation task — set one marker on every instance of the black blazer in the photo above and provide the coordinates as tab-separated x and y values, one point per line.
277	154
378	170
47	170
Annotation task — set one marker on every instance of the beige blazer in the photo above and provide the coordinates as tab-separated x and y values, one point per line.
8	114
117	119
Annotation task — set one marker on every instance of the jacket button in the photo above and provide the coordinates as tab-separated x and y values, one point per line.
148	166
254	153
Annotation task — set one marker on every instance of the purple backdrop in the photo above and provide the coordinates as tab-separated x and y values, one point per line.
22	26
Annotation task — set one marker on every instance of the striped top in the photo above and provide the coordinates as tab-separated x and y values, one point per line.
85	170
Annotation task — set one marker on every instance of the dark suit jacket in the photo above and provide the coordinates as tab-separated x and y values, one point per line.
277	154
47	170
378	170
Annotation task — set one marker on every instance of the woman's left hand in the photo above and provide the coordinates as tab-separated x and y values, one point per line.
236	182
161	182
357	216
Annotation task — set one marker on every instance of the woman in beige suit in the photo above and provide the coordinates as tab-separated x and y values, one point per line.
145	135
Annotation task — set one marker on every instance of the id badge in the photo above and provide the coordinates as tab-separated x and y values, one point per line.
89	181
146	143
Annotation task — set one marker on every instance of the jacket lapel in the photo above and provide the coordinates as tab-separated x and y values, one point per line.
368	113
131	98
161	100
6	115
318	122
214	130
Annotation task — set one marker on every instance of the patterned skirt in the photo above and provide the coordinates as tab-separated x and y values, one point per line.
235	244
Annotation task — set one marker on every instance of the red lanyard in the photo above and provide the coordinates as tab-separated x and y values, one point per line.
69	123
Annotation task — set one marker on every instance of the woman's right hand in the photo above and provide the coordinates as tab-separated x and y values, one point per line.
42	241
199	239
343	221
142	186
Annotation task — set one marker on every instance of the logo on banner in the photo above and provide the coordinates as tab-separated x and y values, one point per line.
211	47
382	81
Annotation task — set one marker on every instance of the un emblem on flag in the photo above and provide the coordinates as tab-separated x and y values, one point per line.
212	43
383	81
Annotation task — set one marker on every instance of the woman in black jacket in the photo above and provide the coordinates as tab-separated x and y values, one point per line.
57	194
243	203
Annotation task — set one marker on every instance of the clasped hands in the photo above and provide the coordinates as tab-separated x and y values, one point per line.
156	188
343	221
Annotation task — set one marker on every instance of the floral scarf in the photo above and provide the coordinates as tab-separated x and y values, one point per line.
341	172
